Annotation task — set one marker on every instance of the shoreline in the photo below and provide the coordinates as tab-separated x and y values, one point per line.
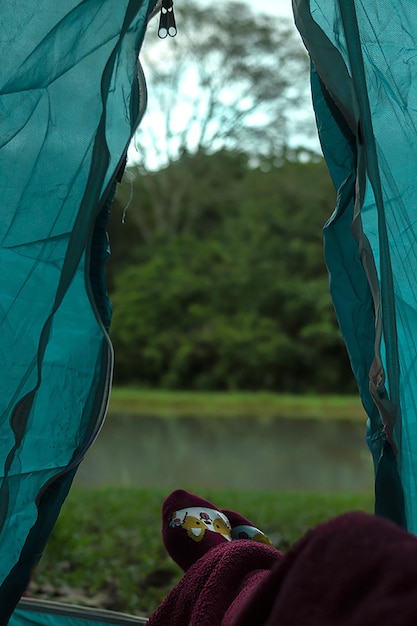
256	405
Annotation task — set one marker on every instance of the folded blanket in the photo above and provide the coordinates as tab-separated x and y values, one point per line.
217	584
355	570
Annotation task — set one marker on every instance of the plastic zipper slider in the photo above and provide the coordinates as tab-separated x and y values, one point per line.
167	25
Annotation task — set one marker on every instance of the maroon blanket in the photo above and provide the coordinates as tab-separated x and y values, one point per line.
355	570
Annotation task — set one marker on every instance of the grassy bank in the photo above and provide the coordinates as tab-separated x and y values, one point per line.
106	548
233	404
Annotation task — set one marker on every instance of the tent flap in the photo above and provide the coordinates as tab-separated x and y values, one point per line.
69	104
365	91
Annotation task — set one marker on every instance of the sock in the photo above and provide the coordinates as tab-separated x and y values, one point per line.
242	528
191	526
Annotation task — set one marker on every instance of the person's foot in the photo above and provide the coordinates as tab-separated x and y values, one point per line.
191	526
242	528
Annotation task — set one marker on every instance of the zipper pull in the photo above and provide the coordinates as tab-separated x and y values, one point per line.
167	25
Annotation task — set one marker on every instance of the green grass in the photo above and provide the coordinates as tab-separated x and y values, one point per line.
158	403
106	548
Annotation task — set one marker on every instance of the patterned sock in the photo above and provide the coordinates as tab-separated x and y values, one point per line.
242	528
191	526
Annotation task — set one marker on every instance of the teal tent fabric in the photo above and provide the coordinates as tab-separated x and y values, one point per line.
34	612
70	99
364	85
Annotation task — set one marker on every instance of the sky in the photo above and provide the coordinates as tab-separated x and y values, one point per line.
278	7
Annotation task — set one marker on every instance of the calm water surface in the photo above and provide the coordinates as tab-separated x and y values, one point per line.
275	454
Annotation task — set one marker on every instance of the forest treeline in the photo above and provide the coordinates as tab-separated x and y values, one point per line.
217	277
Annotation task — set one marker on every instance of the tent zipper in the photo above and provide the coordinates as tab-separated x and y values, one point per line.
167	25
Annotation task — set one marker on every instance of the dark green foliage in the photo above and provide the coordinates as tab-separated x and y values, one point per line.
230	290
106	548
217	278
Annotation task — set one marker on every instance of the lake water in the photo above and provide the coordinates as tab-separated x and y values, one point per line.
190	453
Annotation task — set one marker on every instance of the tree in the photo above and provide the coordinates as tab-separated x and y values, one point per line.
243	301
231	80
187	197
